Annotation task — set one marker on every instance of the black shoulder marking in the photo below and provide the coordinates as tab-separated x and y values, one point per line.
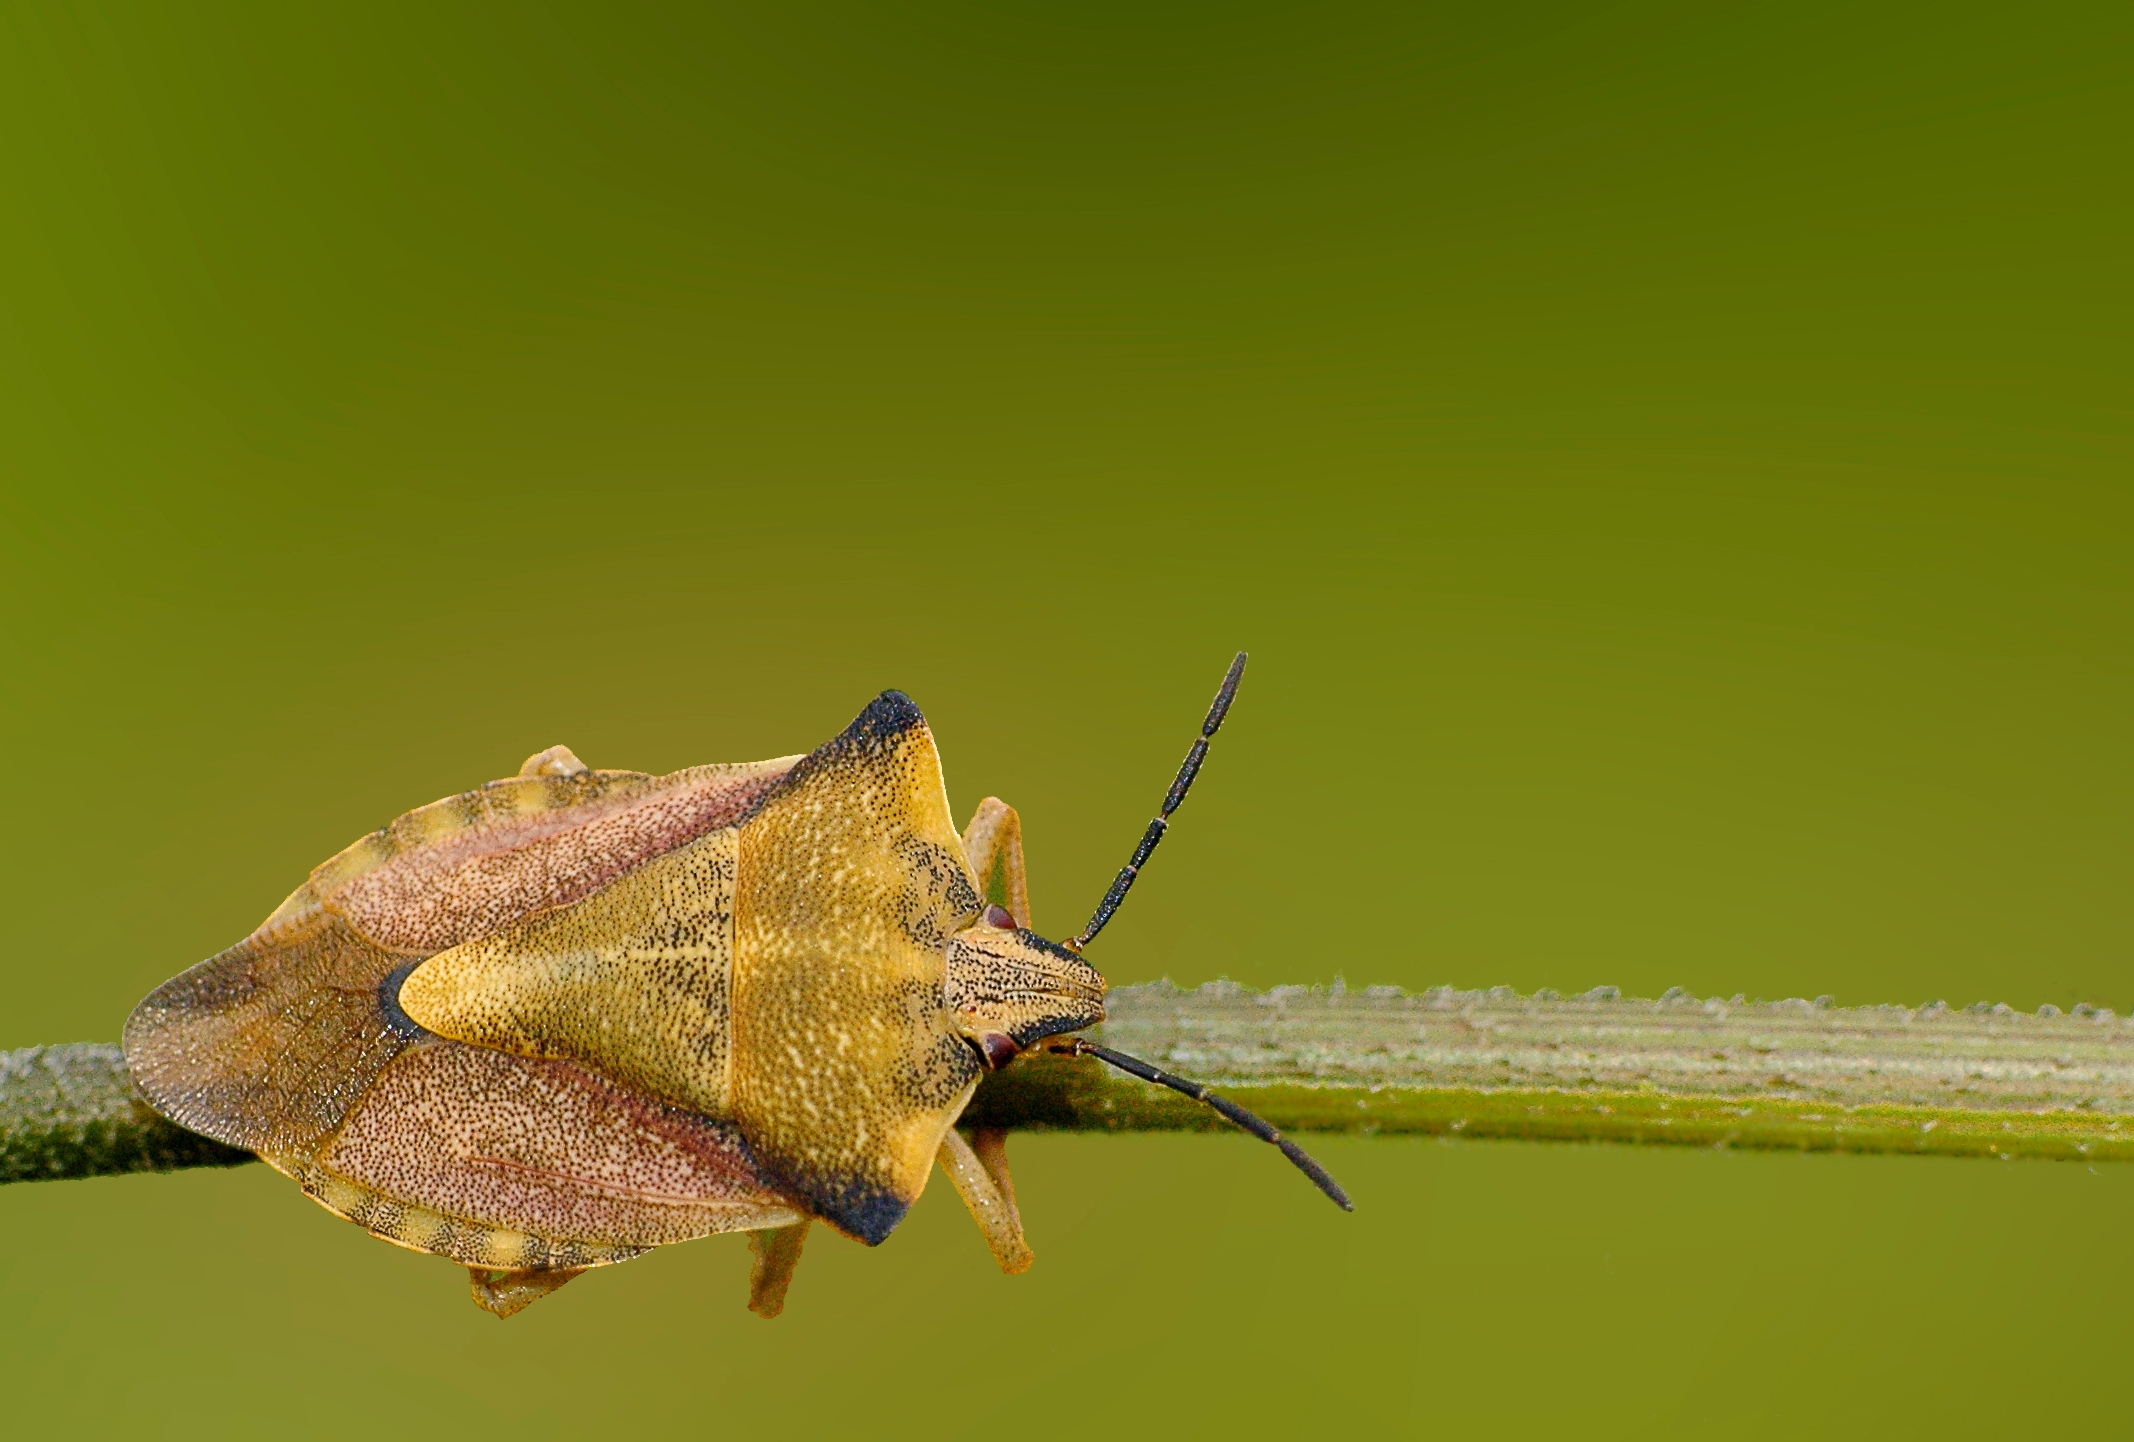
855	1206
872	733
887	717
857	1209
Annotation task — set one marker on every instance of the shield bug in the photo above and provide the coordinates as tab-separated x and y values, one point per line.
572	1015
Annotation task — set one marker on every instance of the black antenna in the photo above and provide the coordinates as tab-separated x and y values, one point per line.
1230	1109
1124	882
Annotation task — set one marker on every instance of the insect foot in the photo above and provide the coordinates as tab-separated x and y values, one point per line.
507	1292
777	1253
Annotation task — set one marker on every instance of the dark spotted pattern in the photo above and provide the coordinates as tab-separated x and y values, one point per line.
1017	984
847	1069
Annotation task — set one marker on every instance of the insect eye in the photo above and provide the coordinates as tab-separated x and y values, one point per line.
1000	917
997	1050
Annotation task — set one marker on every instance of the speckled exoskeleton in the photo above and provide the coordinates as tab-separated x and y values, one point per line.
572	1015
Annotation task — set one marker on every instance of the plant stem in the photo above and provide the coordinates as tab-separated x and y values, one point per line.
71	1111
1791	1074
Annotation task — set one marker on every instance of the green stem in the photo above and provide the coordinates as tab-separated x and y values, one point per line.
71	1111
1791	1074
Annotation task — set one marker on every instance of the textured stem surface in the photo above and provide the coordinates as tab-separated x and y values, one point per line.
1795	1074
71	1111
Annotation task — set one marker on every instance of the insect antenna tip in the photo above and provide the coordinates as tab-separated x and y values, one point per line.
1228	1109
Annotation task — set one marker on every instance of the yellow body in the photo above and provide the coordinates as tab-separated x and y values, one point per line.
572	1015
785	974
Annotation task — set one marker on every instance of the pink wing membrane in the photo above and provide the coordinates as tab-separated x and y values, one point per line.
474	864
547	1147
284	1040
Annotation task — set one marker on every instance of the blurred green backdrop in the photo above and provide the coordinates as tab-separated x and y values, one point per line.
1669	462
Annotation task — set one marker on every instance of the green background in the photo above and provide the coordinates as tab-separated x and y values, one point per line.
1670	464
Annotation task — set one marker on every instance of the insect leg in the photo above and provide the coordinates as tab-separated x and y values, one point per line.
506	1292
777	1254
990	1145
980	1176
555	761
1124	881
994	844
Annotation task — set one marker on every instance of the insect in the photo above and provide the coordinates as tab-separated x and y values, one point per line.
554	1022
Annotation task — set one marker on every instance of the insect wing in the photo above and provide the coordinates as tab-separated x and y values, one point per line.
266	1045
472	864
506	1161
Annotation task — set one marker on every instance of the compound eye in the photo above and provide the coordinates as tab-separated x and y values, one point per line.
999	917
997	1050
